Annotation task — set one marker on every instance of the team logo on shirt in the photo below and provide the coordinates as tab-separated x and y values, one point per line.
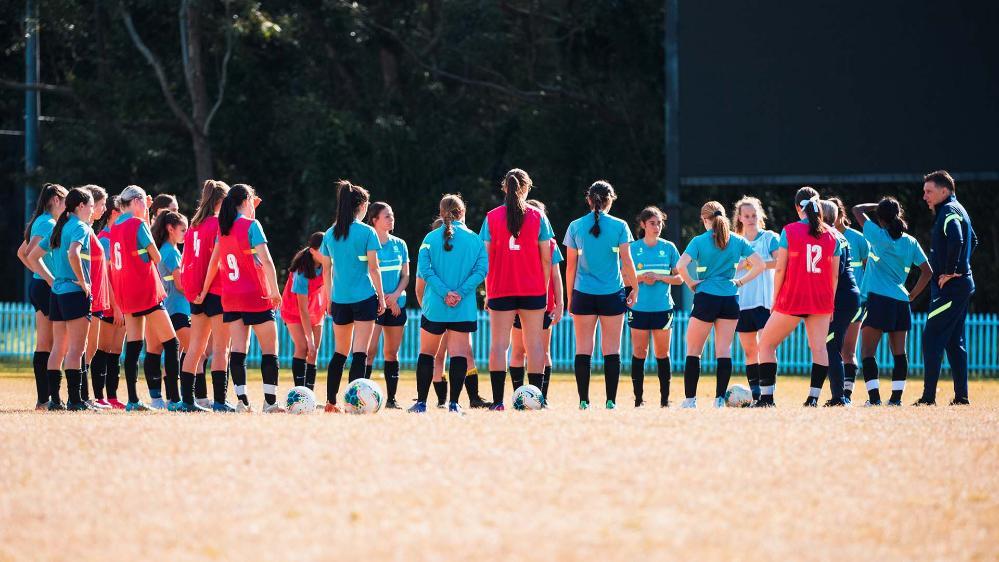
662	253
640	266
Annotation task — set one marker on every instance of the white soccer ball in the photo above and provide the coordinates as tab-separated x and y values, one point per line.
528	397
738	396
301	400
363	397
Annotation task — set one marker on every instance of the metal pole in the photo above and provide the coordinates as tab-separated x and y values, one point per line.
31	105
671	44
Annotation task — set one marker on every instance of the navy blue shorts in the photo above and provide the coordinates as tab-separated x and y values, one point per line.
361	311
249	318
547	323
518	303
861	314
180	321
69	306
390	320
438	328
598	305
752	319
887	314
660	320
708	307
148	311
40	295
210	307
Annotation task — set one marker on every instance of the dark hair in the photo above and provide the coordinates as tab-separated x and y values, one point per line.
233	199
721	228
516	183
76	197
891	217
303	262
841	214
166	219
451	207
808	199
212	193
349	198
97	191
600	195
374	210
941	178
49	192
113	206
646	214
160	202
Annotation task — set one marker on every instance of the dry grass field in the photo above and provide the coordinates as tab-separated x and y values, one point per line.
790	483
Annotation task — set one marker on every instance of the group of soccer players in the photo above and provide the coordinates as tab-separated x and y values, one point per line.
110	275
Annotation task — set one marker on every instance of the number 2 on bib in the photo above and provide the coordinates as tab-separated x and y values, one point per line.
813	254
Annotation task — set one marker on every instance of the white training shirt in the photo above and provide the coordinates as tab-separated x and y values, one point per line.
760	291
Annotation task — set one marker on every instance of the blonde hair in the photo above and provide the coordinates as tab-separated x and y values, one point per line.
761	215
720	227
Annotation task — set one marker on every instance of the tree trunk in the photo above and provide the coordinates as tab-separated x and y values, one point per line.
199	94
202	157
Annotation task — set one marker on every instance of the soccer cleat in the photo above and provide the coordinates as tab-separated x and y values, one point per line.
99	404
639	403
897	403
175	406
392	405
205	403
418	408
664	404
330	408
835	402
244	407
478	402
223	408
924	402
962	401
454	408
158	404
584	405
497	408
610	405
810	402
55	406
689	403
136	407
441	405
115	404
274	408
764	403
80	406
720	402
191	408
41	406
871	404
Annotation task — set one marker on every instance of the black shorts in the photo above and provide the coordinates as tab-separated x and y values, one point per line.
659	320
438	328
69	306
361	311
752	319
390	320
598	305
212	306
518	303
148	311
861	314
546	323
180	321
708	307
249	318
887	314
40	295
109	318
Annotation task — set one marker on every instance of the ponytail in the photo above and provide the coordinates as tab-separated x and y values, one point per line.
349	198
161	232
807	199
892	217
303	263
516	183
76	197
213	192
452	208
600	195
230	205
721	228
44	204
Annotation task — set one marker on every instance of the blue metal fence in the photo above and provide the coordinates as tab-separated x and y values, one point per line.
982	334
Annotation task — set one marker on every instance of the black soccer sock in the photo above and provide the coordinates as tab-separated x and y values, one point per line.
200	380
357	366
768	382
220	380
237	367
536	379
456	372
870	366
113	375
440	389
154	376
472	384
84	384
270	372
817	381
310	376
724	375
98	373
664	369
424	376
73	385
546	382
612	375
53	381
638	378
334	374
691	374
187	387
516	377
132	351
849	377
367	371
391	378
298	371
497	379
581	368
899	373
39	364
171	367
753	377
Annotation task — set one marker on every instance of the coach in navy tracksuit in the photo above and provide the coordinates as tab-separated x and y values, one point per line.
952	242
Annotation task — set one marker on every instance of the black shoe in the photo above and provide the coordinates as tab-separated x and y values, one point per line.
478	402
924	402
77	407
56	406
442	405
764	403
836	402
664	404
960	402
639	403
392	405
848	394
895	402
811	402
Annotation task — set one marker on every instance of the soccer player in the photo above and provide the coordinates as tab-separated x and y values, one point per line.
51	202
393	263
651	316
162	202
250	293
100	289
860	249
354	285
892	253
169	229
112	334
516	237
756	297
452	262
952	242
716	254
598	266
303	310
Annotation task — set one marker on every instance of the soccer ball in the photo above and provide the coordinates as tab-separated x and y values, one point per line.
363	397
301	400
738	396
528	397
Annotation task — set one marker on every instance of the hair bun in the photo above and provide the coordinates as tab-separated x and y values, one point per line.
718	213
